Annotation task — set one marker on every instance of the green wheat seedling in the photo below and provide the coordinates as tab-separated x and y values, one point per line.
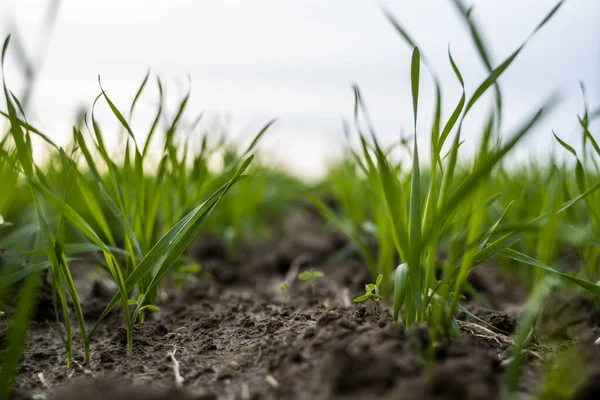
122	194
312	275
52	241
156	263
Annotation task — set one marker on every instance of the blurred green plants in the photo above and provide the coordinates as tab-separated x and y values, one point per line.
131	218
471	211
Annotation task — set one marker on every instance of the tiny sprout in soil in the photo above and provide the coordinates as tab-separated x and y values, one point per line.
144	308
372	293
177	333
311	275
285	290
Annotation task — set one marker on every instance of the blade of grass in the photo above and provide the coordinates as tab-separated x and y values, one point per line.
17	335
414	268
139	93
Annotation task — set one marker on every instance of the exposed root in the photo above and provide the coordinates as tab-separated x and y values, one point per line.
346	298
44	381
272	381
178	378
84	370
483	332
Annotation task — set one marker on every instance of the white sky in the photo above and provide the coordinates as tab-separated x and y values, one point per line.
295	60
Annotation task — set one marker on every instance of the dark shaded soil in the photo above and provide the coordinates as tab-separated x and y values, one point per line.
239	341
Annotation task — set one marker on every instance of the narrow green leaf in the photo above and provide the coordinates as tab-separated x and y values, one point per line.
68	212
362	298
588	136
407	38
258	136
139	93
457	110
415	72
116	112
5	47
156	120
492	79
565	145
525	259
497	72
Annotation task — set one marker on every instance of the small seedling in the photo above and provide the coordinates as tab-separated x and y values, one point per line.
177	333
147	307
285	290
311	275
372	293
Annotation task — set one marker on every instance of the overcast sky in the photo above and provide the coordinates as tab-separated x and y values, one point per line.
295	60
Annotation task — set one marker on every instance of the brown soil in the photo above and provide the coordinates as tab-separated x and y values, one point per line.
239	341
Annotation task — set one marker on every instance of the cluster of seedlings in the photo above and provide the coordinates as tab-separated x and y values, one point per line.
133	216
